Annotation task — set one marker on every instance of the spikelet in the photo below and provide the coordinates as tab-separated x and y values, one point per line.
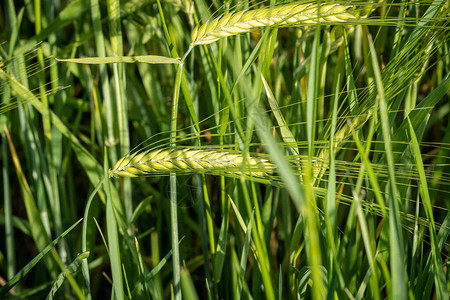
284	15
162	161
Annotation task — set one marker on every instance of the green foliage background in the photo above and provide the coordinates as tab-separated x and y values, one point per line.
355	117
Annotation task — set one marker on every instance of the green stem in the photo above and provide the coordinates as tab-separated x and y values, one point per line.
104	79
173	190
85	265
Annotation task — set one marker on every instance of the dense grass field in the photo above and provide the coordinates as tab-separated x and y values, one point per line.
155	149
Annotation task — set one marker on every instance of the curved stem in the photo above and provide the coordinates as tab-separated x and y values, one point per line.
85	266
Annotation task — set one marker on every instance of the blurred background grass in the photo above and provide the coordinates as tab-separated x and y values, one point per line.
238	239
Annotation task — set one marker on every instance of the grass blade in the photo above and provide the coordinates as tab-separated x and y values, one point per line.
11	283
398	288
113	240
440	281
149	59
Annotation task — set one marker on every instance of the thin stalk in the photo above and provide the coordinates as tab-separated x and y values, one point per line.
9	232
180	82
313	247
113	238
46	157
121	99
330	208
85	265
173	190
398	288
362	220
55	144
104	78
313	86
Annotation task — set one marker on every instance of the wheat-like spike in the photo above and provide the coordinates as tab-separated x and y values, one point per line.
288	14
189	161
